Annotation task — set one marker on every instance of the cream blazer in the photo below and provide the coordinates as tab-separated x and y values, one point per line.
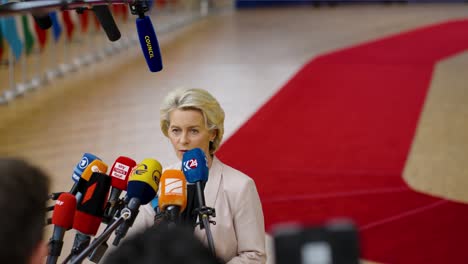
239	233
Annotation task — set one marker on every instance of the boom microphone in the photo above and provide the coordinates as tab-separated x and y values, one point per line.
142	188
173	194
104	15
149	43
62	219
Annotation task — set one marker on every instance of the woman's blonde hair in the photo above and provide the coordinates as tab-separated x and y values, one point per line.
197	99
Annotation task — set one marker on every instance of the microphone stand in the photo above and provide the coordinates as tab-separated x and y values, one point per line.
126	214
109	218
172	214
81	243
204	214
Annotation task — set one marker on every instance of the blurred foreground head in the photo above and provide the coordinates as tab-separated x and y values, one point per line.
23	194
162	245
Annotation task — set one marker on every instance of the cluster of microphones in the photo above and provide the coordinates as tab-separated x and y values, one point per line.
114	199
146	33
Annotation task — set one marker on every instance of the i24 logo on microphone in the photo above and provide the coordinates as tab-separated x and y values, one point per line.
190	164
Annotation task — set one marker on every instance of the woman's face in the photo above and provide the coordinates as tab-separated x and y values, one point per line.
187	130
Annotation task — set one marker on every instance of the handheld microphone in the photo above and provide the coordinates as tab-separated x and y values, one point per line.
173	194
91	207
141	189
94	166
80	167
144	180
149	43
62	219
90	211
119	174
42	20
195	167
104	15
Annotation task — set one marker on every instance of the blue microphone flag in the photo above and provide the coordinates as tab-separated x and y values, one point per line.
195	165
82	164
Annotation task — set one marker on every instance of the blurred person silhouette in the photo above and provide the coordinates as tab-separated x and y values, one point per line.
23	195
193	118
162	244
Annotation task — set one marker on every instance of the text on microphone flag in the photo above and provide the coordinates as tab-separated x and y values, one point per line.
138	173
120	171
149	46
190	164
173	186
141	169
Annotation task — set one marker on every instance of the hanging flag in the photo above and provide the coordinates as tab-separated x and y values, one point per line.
69	26
41	35
161	3
84	21
56	27
28	36
124	10
150	4
116	11
10	33
1	43
97	24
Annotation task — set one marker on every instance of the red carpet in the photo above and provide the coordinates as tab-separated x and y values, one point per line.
334	141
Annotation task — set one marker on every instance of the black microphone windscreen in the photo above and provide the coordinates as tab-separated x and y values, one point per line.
107	22
95	197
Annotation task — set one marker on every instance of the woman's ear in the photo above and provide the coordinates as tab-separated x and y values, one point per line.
214	133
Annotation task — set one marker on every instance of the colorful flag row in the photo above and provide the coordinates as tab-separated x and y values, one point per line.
9	32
